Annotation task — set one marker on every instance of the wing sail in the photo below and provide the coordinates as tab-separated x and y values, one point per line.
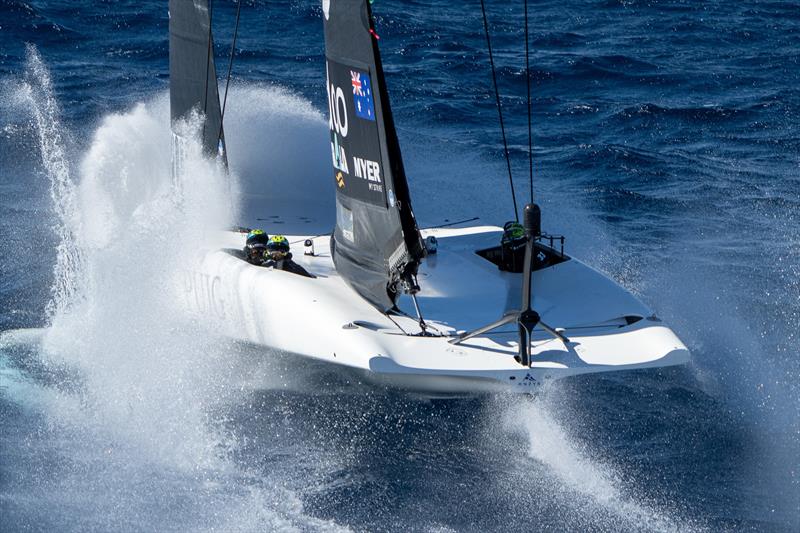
192	74
377	245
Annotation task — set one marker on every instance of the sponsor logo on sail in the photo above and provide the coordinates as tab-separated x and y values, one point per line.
369	170
362	95
338	155
339	180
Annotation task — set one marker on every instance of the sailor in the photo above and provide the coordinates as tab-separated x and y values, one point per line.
280	258
512	247
255	247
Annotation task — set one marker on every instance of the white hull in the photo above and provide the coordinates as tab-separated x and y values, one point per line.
324	319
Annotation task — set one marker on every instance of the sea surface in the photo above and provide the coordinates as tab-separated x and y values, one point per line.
666	148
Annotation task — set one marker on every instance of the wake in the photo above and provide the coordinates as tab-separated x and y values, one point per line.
583	478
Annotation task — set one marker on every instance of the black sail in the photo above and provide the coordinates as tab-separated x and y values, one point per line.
377	245
192	76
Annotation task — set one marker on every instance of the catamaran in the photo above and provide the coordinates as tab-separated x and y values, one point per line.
444	310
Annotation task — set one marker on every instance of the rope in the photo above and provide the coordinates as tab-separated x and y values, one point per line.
499	109
230	67
208	60
447	225
396	324
528	80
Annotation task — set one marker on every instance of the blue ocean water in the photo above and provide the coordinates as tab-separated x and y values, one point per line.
666	148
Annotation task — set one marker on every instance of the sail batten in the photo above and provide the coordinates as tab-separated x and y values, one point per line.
377	246
193	76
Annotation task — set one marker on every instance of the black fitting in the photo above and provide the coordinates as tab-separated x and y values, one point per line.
532	219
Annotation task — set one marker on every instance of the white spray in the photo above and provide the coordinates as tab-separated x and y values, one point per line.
583	478
149	400
38	91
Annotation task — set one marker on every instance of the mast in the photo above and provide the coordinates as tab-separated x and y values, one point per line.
192	74
377	245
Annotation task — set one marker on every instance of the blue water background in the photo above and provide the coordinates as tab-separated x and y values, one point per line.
666	148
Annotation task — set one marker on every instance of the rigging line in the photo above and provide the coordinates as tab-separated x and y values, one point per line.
528	80
396	324
208	60
400	312
448	224
499	109
230	67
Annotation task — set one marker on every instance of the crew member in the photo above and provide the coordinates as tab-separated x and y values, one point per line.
280	258
255	247
512	247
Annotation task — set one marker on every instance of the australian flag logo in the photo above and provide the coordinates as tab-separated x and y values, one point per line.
362	95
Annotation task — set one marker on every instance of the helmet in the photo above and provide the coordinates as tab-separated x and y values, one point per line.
257	236
256	245
278	247
513	231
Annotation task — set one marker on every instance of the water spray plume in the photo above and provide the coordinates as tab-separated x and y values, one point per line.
38	90
142	390
579	474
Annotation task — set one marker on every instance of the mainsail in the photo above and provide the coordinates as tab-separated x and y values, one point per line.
377	245
192	76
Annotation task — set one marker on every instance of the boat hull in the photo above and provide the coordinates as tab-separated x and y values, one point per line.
324	319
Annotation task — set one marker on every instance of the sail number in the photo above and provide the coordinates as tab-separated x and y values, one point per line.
338	110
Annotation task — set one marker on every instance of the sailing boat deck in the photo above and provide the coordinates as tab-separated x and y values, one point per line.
325	319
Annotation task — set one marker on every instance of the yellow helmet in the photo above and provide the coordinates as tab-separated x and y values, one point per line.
278	244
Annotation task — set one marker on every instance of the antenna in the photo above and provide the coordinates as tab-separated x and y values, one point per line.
499	109
528	84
